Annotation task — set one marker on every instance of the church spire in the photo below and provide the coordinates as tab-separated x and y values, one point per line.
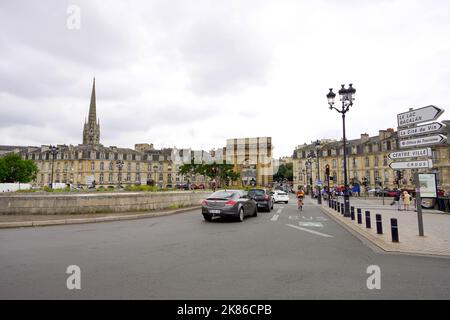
93	107
91	131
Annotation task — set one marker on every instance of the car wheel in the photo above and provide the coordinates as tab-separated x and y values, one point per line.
255	213
241	215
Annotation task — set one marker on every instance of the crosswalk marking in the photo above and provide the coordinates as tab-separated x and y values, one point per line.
275	217
310	231
310	224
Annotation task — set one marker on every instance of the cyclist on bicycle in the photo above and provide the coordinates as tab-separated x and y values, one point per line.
300	196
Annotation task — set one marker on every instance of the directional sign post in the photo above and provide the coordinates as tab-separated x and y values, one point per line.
412	164
408	127
413	117
425	129
417	142
424	152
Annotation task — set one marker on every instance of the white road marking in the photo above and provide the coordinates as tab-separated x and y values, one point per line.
279	210
274	218
310	218
321	219
293	218
310	231
310	224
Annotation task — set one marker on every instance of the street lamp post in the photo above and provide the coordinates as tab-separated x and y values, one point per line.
54	151
346	96
319	193
119	164
309	160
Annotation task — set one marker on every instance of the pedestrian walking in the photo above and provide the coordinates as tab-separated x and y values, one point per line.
406	200
396	200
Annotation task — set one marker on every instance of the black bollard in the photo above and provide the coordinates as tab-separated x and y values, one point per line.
394	230
338	207
359	215
342	208
368	225
379	224
352	212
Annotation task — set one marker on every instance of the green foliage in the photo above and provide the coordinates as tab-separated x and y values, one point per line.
285	171
218	171
14	169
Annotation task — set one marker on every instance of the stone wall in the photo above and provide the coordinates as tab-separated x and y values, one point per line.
98	202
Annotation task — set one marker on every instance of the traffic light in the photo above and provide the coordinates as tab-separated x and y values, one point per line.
327	170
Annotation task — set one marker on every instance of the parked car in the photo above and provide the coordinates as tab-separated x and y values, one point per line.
280	196
262	198
234	204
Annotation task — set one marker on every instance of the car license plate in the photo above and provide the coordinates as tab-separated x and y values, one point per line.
214	211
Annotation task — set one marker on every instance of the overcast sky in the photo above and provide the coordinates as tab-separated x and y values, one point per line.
195	73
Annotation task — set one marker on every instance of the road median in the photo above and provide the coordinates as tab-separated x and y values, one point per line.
106	218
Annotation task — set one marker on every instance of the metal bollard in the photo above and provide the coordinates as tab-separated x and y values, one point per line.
379	224
368	225
342	208
359	215
338	207
394	230
352	212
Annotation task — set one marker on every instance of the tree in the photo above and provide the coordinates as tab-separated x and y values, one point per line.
14	169
285	171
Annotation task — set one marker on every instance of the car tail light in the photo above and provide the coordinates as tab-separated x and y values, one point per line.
230	203
204	203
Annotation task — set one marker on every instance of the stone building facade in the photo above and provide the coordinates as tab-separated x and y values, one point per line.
252	158
107	166
367	160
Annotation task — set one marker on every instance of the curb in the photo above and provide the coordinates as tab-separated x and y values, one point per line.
373	240
42	223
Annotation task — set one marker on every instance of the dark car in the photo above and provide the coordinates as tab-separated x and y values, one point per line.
235	204
262	197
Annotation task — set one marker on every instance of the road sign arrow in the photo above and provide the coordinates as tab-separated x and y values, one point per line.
419	130
412	164
425	114
425	152
436	139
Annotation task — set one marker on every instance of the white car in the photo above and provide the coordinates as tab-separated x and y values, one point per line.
280	196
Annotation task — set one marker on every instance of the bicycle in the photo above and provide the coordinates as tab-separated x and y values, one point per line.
300	204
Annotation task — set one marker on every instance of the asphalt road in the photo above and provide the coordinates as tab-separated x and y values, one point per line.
284	254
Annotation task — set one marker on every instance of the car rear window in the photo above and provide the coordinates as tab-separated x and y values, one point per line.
282	193
257	193
222	195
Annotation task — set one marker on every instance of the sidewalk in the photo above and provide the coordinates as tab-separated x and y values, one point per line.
436	227
19	221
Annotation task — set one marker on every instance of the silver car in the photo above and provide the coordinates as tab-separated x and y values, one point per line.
235	204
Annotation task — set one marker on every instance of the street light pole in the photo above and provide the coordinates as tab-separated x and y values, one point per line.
319	193
54	151
346	96
119	164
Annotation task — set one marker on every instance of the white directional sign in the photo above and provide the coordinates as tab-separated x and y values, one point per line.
425	152
427	128
412	164
425	114
436	139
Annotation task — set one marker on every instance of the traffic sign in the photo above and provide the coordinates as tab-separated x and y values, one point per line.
412	117
424	129
412	164
425	152
436	139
